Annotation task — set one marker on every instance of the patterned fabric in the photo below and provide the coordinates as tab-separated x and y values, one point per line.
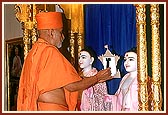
95	98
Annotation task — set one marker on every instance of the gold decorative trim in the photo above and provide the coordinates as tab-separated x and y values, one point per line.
156	61
80	41
72	48
26	41
34	31
142	57
25	13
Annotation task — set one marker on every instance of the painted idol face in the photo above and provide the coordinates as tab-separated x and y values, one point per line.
85	60
130	62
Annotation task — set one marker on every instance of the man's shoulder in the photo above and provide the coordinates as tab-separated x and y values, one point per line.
42	45
50	48
43	50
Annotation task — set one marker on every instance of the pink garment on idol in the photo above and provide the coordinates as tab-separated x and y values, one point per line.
132	96
95	98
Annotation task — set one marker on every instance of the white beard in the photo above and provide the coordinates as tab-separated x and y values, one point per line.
59	46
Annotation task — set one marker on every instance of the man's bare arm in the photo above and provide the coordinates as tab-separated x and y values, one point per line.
102	75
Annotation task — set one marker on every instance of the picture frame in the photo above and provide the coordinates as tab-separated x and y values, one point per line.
13	69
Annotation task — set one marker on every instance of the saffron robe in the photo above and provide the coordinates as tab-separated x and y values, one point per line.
45	69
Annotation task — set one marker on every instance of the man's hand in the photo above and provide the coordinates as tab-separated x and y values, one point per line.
104	75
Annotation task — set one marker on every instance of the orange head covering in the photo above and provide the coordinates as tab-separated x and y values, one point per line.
49	20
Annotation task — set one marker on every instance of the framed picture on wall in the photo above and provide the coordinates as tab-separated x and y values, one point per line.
14	60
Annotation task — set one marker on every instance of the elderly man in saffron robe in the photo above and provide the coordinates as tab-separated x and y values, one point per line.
48	81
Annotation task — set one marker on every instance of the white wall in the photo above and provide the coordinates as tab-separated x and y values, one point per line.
12	27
